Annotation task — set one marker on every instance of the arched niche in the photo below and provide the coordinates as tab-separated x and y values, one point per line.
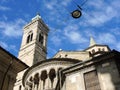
52	75
43	77
36	78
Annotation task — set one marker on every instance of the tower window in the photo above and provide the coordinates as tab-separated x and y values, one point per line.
41	38
30	37
99	49
103	49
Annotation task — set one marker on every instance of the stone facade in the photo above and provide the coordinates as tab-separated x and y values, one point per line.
99	73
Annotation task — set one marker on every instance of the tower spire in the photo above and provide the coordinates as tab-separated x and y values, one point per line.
92	41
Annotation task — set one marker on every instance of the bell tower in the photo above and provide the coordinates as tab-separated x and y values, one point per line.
34	42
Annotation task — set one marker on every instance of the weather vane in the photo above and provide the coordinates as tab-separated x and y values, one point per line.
78	12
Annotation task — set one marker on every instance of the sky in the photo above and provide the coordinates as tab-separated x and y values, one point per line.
100	19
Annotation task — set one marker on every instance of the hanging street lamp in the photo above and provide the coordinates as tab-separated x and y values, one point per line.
78	12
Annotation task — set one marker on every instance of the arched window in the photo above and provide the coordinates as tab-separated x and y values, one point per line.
44	76
99	49
31	79
103	49
41	38
93	51
36	78
29	37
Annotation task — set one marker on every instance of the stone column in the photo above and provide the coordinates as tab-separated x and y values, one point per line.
55	79
44	41
39	86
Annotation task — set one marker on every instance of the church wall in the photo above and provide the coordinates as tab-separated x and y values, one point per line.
75	80
107	73
109	76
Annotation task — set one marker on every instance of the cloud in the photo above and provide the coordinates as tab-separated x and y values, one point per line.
65	3
100	13
118	45
106	38
88	32
115	31
96	13
12	29
55	10
116	4
56	40
4	8
50	4
72	34
8	46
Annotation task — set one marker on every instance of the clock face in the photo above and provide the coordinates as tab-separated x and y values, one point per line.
76	13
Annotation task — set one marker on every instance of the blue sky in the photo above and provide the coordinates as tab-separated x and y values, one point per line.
100	19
